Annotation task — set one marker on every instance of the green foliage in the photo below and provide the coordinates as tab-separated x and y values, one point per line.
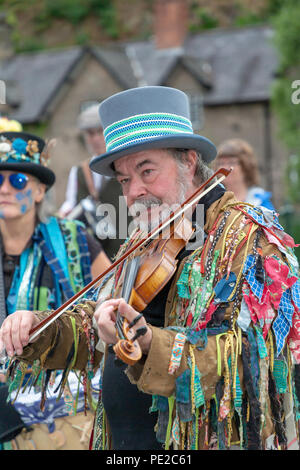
293	178
76	11
70	10
82	38
287	41
286	23
38	129
11	19
106	13
107	18
28	44
290	221
273	7
202	19
287	38
248	18
288	113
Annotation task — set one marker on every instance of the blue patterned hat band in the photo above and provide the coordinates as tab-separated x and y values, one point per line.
140	128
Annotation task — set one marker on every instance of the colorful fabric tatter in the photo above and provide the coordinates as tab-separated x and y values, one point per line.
202	289
280	278
224	288
263	312
296	294
280	239
249	271
177	351
294	337
264	217
244	317
283	321
263	300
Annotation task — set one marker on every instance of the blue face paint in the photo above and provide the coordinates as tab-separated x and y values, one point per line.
25	200
1	215
23	194
29	195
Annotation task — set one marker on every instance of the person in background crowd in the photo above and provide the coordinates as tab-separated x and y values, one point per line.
244	179
43	262
83	183
219	341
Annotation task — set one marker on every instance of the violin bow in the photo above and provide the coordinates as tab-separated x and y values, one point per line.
194	198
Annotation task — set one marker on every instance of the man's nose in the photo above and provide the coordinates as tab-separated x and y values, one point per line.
137	188
5	186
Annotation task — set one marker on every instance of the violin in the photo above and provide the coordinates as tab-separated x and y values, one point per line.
149	271
145	277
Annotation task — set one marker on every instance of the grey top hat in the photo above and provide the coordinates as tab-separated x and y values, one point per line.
151	117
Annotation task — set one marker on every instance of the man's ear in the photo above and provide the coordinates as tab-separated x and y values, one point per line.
191	161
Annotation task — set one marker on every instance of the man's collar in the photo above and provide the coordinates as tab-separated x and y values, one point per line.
209	198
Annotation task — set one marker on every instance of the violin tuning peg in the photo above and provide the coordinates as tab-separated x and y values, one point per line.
137	318
139	332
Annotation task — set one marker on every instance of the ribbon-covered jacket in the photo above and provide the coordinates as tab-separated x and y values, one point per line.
224	370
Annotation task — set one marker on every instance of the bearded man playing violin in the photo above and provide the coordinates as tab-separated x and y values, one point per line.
210	360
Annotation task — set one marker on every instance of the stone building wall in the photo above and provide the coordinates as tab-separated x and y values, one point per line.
93	83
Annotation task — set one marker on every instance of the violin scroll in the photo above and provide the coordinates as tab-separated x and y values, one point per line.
128	349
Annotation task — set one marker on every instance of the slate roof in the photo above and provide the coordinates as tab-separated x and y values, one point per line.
39	76
116	61
242	63
234	66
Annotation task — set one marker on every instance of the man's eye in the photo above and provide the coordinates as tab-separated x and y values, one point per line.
147	172
123	181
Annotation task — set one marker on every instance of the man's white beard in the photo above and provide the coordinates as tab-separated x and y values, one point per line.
147	220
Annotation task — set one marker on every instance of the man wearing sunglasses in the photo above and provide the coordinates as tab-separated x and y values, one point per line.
43	261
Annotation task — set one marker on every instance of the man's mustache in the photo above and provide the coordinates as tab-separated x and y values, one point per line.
142	204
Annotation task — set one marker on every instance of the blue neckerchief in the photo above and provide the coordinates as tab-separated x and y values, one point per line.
53	237
12	298
85	256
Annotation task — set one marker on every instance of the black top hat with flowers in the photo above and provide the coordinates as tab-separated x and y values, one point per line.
20	151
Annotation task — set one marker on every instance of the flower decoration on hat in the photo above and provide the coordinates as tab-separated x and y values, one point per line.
45	155
20	146
9	125
5	147
32	147
20	150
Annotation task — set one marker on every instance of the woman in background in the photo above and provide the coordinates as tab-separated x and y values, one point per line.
44	261
243	181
